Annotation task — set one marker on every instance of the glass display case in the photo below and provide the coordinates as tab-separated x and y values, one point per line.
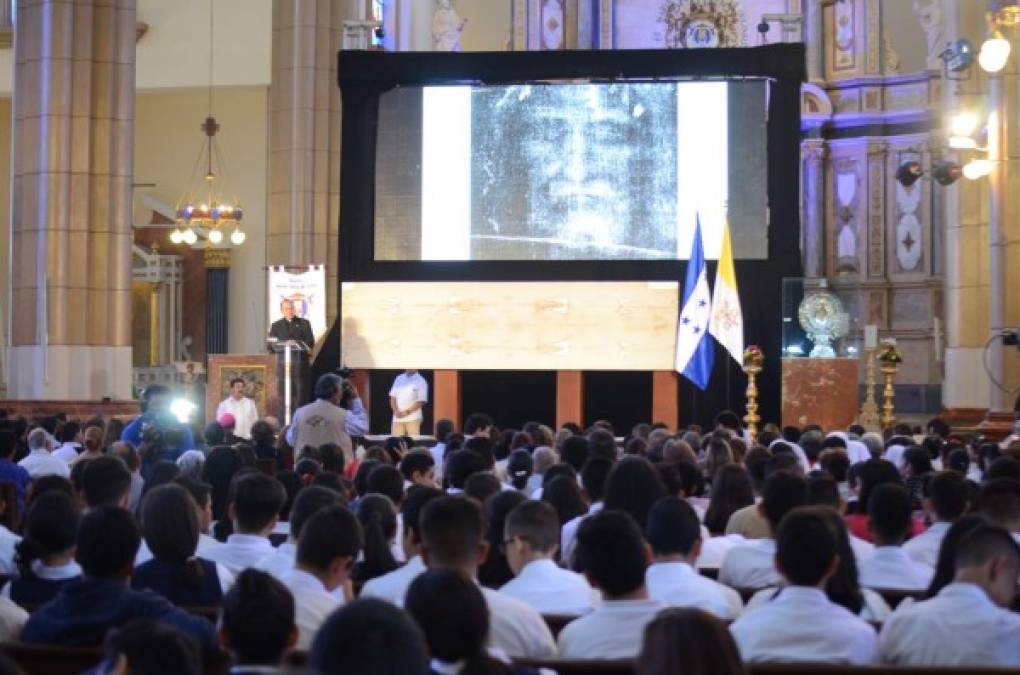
816	322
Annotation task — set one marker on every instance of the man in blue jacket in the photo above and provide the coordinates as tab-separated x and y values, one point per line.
156	433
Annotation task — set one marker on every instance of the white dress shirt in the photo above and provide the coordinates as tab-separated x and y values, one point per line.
438	452
891	567
49	572
550	589
714	549
751	565
312	604
240	552
874	608
244	412
135	491
960	626
12	620
568	533
802	625
517	629
407	390
677	584
40	462
67	451
280	561
924	548
8	540
392	587
862	549
613	631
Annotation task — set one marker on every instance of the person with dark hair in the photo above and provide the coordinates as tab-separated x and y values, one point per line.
752	565
324	420
308	502
263	439
240	407
45	555
574	451
127	454
632	486
519	466
452	612
871	474
946	500
369	637
482	485
612	555
257	625
822	490
219	470
11	472
170	527
69	437
148	647
495	570
86	608
1002	467
564	495
801	624
214	434
254	508
674	533
386	480
418	467
162	473
969	622
393	586
361	475
748	521
731	491
327	550
889	512
916	471
408	395
999	501
378	518
332	456
106	481
689	641
478	424
594	474
444	427
156	432
460	465
452	535
532	535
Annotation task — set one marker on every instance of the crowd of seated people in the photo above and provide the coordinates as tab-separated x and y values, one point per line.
493	551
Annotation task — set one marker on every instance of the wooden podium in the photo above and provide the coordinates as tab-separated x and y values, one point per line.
259	374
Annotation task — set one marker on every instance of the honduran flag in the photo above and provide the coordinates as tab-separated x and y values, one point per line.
694	348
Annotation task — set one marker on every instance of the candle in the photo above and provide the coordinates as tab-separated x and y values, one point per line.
871	336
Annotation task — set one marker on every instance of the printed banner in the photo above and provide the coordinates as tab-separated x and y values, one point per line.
307	289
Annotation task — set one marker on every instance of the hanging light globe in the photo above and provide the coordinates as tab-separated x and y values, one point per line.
177	236
215	236
190	237
237	237
994	53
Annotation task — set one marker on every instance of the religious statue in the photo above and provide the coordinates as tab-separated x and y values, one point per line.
929	15
446	27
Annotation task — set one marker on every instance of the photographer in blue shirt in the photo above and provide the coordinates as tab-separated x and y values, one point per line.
156	433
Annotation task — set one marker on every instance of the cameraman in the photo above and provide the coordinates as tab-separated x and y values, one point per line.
156	433
335	416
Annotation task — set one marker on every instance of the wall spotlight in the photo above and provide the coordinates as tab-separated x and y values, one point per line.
958	55
946	173
909	173
977	168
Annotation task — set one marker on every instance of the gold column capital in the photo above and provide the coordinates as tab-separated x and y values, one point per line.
216	258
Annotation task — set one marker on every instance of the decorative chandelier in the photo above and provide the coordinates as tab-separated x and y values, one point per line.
204	208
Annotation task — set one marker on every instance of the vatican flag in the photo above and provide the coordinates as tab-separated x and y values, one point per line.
727	322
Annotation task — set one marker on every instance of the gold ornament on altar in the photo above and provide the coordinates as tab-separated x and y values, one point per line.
753	360
822	317
889	359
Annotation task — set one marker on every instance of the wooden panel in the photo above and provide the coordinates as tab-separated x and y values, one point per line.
447	396
570	397
510	326
665	403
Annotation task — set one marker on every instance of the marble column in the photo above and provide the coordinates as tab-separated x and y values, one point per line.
304	138
812	219
217	282
813	36
74	87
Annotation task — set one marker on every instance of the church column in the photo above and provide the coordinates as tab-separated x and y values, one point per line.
813	35
304	138
217	278
74	85
812	152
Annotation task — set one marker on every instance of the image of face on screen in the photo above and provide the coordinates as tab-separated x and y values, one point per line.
570	171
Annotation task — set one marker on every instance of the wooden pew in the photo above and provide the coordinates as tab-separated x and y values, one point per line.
577	667
51	660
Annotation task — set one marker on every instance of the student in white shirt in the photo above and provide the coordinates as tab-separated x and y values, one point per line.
752	565
612	555
408	395
532	531
254	509
999	501
823	490
307	503
40	462
968	623
946	501
257	626
392	587
241	407
69	437
674	533
453	537
801	624
329	544
890	518
418	467
593	484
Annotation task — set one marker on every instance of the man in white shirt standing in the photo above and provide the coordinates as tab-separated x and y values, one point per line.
890	518
531	539
329	545
801	624
946	500
453	536
255	509
241	407
408	395
968	623
392	587
612	554
752	565
39	461
674	534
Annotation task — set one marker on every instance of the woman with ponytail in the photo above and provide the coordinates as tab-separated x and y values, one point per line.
170	526
452	612
93	442
378	518
518	469
45	554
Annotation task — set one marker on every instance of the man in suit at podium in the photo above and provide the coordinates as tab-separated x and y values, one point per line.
293	327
